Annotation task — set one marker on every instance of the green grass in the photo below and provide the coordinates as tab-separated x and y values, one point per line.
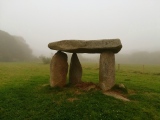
26	95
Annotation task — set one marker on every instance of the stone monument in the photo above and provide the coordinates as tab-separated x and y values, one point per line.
107	48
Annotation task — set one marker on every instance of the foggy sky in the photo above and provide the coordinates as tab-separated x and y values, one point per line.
135	22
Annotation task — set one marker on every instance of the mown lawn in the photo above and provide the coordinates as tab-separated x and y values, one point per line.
26	95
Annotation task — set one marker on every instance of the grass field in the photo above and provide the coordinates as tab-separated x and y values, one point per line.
26	95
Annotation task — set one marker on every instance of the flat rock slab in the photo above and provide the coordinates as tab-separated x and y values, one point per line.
117	96
87	46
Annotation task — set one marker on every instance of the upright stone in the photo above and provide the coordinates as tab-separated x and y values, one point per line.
75	71
107	70
58	69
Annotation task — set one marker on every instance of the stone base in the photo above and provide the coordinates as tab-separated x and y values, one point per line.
58	69
75	71
107	70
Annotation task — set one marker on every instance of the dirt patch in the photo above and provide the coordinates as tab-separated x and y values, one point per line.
86	86
116	93
44	85
72	99
77	92
131	92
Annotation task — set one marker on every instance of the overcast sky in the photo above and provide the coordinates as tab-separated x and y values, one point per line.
135	22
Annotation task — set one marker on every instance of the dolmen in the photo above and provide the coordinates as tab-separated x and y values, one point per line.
107	48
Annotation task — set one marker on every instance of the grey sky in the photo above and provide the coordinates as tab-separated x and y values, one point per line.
135	22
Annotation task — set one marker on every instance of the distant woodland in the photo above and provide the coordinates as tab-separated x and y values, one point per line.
14	48
141	57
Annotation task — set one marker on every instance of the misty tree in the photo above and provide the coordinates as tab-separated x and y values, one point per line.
44	59
14	48
139	57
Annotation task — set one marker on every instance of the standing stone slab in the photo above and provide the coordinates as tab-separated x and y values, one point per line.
107	70
75	71
58	69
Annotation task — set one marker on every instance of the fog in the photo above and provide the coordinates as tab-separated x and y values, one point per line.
39	22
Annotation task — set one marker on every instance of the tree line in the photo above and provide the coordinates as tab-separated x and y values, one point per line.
14	48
